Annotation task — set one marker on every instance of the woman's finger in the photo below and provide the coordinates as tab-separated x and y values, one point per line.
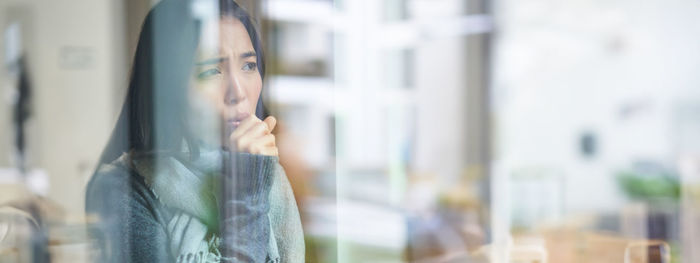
244	126
271	122
252	135
270	151
258	130
259	148
259	144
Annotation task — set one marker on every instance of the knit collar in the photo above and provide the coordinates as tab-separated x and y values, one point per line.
187	185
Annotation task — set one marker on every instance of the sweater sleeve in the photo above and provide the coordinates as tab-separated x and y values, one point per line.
127	227
245	227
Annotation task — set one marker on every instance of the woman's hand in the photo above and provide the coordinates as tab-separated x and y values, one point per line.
255	136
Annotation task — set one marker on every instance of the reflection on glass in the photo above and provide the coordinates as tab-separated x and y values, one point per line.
648	252
349	131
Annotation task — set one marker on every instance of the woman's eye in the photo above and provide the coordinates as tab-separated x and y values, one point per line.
209	73
250	66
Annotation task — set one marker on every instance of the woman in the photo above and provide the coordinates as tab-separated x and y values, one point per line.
191	172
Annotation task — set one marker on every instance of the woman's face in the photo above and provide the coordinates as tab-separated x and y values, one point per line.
226	75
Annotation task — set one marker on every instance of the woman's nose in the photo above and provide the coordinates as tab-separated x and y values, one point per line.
234	90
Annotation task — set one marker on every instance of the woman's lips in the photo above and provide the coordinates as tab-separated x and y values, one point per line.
230	126
233	123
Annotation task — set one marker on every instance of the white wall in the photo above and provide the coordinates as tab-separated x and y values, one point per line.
563	67
74	108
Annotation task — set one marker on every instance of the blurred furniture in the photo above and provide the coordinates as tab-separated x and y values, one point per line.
16	234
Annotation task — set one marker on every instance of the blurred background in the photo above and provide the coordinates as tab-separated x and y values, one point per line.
411	130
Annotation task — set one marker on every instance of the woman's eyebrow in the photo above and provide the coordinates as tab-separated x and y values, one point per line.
248	54
211	61
223	59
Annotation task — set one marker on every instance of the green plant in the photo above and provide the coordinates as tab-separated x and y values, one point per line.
649	187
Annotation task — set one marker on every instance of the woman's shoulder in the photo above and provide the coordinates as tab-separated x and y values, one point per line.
109	175
114	182
124	216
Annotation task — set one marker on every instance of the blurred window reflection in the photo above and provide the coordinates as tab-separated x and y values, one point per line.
349	131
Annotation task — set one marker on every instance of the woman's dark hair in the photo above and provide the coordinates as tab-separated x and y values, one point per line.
154	115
